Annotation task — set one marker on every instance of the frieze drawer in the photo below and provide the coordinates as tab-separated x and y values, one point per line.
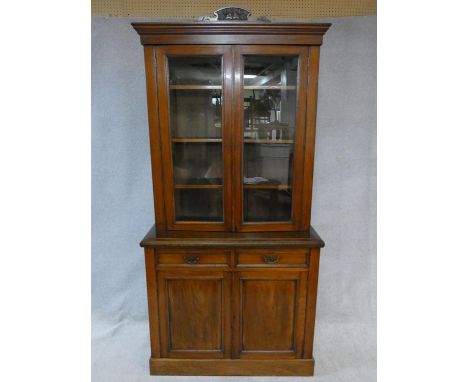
192	259
272	258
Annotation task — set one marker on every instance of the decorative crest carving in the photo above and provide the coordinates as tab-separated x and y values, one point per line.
232	14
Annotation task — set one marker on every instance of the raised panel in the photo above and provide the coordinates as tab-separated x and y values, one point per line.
194	310
271	303
270	319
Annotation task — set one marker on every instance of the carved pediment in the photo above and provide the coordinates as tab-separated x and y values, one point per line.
232	14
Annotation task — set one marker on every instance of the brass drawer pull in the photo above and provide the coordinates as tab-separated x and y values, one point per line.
271	259
191	259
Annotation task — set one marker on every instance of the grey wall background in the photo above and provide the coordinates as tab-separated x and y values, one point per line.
343	210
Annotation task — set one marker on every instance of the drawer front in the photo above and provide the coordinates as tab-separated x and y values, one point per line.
272	258
192	259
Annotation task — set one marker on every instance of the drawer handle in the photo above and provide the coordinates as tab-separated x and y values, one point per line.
271	259
191	259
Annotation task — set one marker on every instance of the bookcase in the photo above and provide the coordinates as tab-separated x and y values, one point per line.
232	260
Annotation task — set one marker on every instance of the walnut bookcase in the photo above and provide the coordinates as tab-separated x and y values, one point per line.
232	261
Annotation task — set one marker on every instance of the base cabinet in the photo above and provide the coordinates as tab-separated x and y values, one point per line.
231	312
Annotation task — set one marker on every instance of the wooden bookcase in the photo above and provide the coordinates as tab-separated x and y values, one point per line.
232	261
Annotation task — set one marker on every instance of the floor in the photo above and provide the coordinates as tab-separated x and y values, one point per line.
343	352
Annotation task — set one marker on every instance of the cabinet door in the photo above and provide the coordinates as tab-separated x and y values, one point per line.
194	93
270	106
269	314
194	311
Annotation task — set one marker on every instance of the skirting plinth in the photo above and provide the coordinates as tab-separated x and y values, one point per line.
288	367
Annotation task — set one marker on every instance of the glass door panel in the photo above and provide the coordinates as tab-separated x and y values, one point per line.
269	132
193	113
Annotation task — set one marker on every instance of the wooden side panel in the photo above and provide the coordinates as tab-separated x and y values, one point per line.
155	138
311	302
195	314
313	68
153	314
269	311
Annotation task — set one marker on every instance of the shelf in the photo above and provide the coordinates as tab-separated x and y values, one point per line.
268	87
197	186
269	141
195	87
267	186
219	87
196	140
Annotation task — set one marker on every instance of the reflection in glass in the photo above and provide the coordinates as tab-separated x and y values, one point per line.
196	113
195	70
270	95
263	205
195	98
199	204
197	163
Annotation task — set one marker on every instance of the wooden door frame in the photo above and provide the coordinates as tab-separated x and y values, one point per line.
299	144
300	276
161	53
164	318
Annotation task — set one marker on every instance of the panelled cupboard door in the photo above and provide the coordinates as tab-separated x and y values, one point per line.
270	90
194	97
194	311
269	310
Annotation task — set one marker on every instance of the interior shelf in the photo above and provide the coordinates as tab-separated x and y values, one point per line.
195	87
219	87
196	140
267	186
269	141
197	186
267	87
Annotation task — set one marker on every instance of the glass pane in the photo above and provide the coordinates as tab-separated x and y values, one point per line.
195	204
262	205
196	113
270	91
195	70
196	98
197	163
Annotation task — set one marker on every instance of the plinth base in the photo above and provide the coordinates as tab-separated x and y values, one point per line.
288	367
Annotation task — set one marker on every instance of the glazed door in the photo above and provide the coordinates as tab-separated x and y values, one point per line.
269	309
269	128
195	93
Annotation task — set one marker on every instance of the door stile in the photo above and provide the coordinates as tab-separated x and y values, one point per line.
237	132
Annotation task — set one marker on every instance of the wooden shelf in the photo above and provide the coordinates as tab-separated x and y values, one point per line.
267	186
197	186
197	140
195	87
269	141
267	87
